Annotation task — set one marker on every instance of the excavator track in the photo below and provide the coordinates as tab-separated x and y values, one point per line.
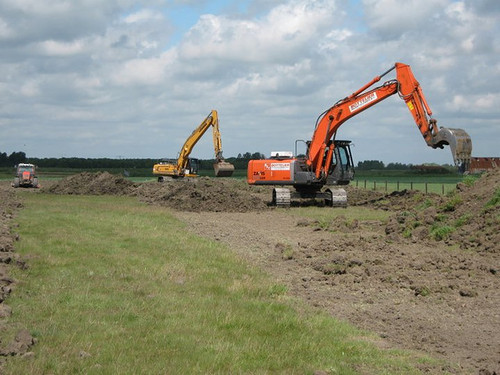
338	198
281	197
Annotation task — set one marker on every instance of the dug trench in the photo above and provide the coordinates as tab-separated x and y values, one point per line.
425	279
22	342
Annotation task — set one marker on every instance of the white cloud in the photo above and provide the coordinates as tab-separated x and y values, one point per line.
392	18
140	71
280	36
143	15
6	31
78	73
55	48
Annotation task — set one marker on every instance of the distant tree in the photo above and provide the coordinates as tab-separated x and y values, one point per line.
257	155
17	157
370	164
4	160
398	166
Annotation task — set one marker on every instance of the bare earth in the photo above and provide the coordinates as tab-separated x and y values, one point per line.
437	294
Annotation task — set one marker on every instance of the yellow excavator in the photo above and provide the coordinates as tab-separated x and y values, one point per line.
187	167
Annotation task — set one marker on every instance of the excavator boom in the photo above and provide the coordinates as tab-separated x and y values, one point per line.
409	89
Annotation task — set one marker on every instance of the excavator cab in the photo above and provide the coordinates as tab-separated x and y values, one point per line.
193	167
341	171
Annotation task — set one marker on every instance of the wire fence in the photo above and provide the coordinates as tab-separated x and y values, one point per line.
390	186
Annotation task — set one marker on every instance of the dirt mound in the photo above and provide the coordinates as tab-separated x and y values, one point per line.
202	194
87	183
361	197
468	217
9	205
187	194
475	213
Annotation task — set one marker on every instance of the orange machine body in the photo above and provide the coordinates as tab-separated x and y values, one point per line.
270	171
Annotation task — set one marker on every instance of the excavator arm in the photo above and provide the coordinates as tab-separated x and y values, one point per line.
211	120
407	87
221	167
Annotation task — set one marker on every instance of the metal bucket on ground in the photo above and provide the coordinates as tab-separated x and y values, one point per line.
223	169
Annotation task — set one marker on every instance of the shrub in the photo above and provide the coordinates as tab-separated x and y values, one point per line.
464	219
469	180
441	232
494	201
452	203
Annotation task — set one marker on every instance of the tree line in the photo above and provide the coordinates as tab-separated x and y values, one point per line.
12	159
368	165
239	162
371	165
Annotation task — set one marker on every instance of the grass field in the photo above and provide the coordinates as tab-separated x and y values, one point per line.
118	287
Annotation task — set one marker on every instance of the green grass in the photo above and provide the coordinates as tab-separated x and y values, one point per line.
118	287
494	201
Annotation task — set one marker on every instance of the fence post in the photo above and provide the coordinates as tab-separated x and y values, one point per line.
386	186
365	184
397	189
374	185
426	188
442	189
411	185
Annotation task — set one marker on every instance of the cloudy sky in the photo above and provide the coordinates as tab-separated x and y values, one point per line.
124	78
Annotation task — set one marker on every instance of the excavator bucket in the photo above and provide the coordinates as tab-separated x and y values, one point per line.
460	144
223	169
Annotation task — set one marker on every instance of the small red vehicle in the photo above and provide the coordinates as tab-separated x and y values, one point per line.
25	176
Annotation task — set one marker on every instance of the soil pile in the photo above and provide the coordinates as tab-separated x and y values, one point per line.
99	183
201	195
469	217
9	205
186	194
361	197
477	214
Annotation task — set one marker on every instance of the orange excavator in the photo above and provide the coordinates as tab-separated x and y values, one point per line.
329	161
